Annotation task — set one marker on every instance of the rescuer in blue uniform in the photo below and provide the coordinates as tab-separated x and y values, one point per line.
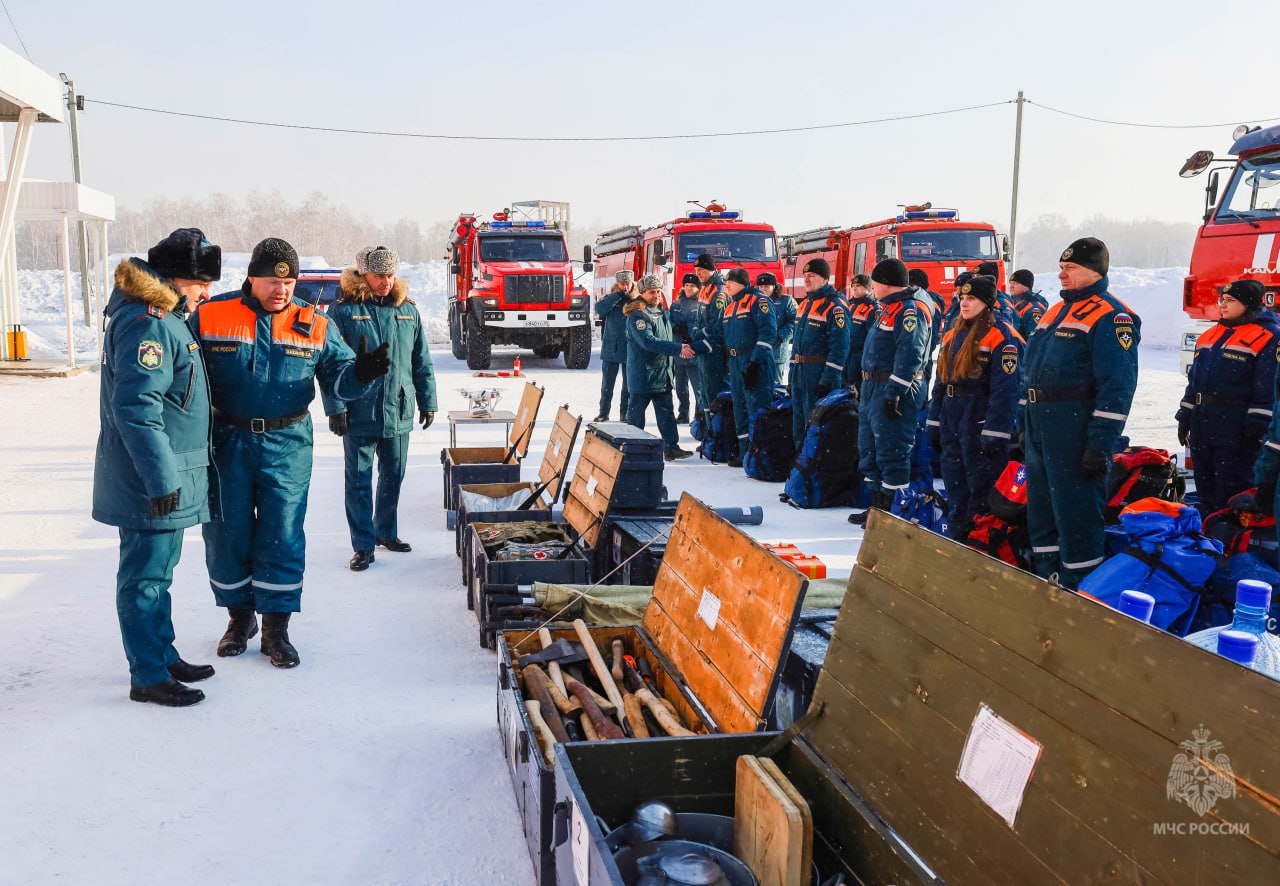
686	322
265	350
863	310
784	310
1230	395
819	346
894	360
712	365
1081	371
749	327
375	306
650	349
151	475
613	342
1028	305
974	406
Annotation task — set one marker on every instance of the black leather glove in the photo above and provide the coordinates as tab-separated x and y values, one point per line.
893	408
1094	464
821	389
1184	432
935	438
371	364
1264	499
339	423
426	418
165	505
751	375
995	451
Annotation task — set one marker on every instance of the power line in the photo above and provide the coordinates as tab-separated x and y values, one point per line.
15	29
565	138
1148	125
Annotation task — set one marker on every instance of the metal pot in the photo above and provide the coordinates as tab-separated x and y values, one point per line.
628	858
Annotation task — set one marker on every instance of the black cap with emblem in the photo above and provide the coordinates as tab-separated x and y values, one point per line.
1088	252
818	266
982	288
1248	292
274	257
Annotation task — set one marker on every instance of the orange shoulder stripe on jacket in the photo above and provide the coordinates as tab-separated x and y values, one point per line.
282	330
230	320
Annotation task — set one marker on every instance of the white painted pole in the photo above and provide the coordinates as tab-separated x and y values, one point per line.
66	288
1017	171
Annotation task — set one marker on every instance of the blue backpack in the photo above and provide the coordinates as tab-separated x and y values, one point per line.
826	474
921	504
1167	557
721	440
770	449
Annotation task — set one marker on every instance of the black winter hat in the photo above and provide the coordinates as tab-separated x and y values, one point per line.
817	266
987	269
739	276
706	262
766	278
186	254
690	278
1088	252
918	278
980	287
1248	292
274	257
863	280
891	272
1023	276
962	278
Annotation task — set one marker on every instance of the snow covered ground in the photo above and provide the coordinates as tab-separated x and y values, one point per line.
376	761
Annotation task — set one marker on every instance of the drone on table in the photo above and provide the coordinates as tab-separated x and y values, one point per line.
482	400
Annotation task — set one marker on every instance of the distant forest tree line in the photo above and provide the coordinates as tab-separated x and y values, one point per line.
318	226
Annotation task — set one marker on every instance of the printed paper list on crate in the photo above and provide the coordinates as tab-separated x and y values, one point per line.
997	762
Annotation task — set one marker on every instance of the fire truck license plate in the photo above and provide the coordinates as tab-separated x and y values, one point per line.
537	323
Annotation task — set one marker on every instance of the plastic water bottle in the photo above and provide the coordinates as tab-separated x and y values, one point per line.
1138	605
1253	603
1238	646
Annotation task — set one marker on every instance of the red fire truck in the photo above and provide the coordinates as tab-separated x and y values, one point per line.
671	248
934	240
511	283
1240	236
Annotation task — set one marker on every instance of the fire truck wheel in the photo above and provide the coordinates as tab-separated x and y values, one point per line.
479	348
455	334
547	352
578	354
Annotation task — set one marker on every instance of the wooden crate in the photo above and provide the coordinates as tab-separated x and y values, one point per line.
492	464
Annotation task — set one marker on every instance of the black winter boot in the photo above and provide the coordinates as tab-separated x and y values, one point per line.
168	692
242	627
275	640
186	672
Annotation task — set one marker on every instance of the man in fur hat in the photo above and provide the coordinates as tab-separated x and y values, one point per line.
150	475
374	305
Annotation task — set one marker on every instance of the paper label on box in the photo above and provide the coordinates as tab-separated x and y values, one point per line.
709	608
556	448
580	842
524	415
591	486
997	762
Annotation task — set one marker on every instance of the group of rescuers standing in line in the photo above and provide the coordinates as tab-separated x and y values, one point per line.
204	406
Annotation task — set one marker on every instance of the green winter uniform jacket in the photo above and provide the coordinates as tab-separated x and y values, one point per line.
650	349
387	410
154	406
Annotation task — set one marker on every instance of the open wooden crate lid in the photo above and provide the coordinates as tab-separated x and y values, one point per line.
555	461
591	489
723	609
526	418
931	633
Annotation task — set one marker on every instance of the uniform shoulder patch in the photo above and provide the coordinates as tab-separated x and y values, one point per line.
839	315
909	320
1009	359
719	302
155	311
1123	319
641	324
1124	329
764	305
150	354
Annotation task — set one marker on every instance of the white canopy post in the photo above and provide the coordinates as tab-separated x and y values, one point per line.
66	288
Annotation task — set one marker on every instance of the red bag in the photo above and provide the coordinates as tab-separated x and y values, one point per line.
1141	472
1241	528
996	538
1008	497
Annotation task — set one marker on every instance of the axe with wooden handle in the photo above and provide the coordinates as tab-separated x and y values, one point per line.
603	726
553	667
539	686
602	672
541	731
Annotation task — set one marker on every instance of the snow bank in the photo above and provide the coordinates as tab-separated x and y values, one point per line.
1154	294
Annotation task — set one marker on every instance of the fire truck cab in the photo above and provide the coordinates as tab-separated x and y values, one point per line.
1240	236
671	248
933	240
511	283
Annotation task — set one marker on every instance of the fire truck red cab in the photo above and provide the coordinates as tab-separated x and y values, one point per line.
1240	236
936	241
511	283
670	249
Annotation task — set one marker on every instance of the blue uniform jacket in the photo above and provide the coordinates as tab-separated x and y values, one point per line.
998	387
154	403
822	330
1086	348
1029	308
687	310
1231	383
748	328
899	342
863	312
265	365
713	301
613	335
649	349
784	309
387	410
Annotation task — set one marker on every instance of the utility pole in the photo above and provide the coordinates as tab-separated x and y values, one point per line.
75	104
1017	168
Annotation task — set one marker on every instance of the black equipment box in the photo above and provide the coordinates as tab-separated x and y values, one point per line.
639	483
636	564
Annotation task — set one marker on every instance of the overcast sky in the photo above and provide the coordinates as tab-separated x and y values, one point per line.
614	69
